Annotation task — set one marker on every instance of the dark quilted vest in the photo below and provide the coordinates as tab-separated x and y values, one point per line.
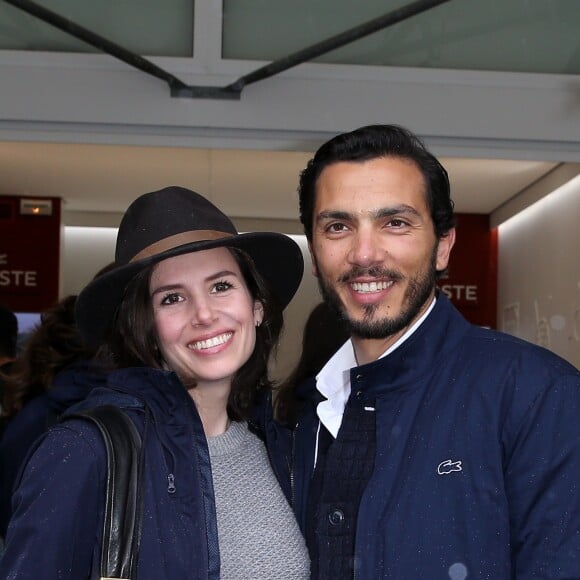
343	469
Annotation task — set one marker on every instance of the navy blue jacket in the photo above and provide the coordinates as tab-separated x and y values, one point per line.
70	386
55	532
477	466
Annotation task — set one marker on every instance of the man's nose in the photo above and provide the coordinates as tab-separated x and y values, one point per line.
366	249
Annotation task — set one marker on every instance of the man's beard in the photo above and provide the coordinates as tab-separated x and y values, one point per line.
418	290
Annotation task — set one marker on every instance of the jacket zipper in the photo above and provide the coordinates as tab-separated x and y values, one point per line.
292	461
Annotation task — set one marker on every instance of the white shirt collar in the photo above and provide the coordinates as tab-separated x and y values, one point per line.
333	381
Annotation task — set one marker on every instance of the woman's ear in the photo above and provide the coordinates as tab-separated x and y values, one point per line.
258	313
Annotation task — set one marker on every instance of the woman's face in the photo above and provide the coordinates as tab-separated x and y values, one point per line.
204	315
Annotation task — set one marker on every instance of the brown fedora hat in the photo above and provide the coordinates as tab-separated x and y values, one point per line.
174	221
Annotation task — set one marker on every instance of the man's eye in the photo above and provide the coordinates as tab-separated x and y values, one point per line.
397	223
338	227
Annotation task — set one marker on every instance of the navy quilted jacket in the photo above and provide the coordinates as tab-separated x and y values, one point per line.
477	466
55	533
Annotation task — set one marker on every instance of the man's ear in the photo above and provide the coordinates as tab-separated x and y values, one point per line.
444	247
313	259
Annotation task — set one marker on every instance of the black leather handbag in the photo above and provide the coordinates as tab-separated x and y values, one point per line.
124	499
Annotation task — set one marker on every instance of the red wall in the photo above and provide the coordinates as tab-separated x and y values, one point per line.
29	256
471	283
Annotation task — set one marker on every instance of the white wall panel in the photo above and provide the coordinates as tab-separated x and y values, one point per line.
539	273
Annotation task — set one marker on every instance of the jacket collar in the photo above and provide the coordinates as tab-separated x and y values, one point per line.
441	333
161	391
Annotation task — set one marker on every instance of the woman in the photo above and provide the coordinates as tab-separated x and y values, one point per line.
189	316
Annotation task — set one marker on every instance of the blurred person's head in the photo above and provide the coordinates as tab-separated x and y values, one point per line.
324	333
52	346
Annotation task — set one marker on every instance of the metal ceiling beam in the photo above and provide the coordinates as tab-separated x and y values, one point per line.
97	41
234	90
337	41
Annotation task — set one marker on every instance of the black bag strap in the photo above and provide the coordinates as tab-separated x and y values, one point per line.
123	507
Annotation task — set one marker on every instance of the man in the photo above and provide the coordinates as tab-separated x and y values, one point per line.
427	448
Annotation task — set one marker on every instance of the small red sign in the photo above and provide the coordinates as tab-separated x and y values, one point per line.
471	280
29	255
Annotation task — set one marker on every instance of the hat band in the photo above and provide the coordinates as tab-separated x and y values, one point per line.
179	240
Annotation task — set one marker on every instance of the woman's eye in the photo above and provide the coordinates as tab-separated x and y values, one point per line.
171	299
221	286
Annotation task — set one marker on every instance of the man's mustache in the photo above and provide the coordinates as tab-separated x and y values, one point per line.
372	272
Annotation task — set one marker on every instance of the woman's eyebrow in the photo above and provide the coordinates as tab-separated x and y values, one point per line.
221	274
165	288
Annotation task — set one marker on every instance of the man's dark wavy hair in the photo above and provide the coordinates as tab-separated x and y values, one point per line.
371	142
133	338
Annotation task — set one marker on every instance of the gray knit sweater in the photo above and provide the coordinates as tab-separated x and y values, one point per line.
259	538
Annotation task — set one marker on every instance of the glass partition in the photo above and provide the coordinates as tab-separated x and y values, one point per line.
538	36
146	27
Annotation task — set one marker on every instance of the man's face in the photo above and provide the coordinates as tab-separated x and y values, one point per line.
374	248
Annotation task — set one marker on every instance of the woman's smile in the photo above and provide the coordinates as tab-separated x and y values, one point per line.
211	343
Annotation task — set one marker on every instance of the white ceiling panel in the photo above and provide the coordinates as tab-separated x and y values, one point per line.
244	183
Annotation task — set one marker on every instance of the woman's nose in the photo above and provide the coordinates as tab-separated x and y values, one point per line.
202	313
